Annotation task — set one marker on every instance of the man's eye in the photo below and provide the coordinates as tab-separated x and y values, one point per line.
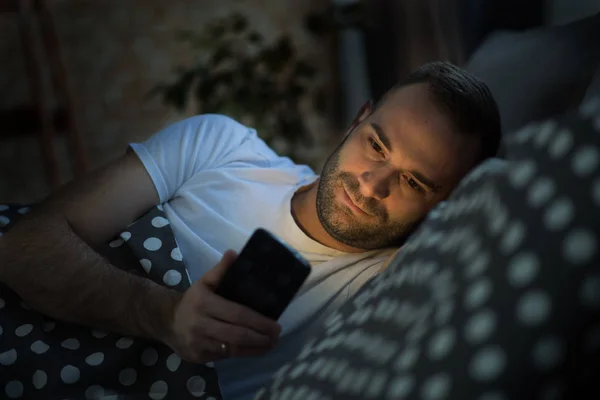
375	145
414	185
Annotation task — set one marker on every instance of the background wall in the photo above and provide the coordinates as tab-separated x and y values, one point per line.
115	51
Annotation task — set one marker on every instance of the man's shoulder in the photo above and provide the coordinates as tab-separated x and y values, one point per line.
227	131
236	142
217	123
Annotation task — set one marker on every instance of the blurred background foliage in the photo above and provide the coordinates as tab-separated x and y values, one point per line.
263	84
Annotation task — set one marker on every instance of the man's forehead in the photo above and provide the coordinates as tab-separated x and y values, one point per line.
412	126
405	96
420	134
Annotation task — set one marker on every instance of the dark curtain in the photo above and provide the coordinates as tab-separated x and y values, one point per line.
480	17
383	40
400	35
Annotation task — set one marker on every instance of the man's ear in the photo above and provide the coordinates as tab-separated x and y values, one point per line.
363	113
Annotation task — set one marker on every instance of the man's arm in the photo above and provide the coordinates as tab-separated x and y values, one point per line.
48	257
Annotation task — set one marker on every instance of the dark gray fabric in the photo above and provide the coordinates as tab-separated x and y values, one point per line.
540	72
496	296
41	358
593	90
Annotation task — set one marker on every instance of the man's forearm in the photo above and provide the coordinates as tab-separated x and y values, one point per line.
60	275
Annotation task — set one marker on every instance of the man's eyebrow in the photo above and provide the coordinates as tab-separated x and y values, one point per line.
431	185
382	136
426	181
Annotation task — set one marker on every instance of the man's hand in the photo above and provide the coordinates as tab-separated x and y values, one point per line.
203	321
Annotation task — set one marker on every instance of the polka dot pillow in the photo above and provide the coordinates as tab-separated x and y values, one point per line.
495	297
41	358
148	248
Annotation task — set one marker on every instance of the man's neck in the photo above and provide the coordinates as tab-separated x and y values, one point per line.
304	212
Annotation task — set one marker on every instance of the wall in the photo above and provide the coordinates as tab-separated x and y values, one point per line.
115	51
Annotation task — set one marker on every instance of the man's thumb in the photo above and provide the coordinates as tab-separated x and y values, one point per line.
215	274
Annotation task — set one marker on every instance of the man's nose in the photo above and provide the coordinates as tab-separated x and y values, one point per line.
376	183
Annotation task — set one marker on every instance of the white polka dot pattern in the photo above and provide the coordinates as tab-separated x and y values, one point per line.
585	160
127	376
149	357
58	360
196	385
71	344
159	222
533	308
39	379
541	191
14	389
436	387
95	359
69	374
39	347
124	343
547	353
487	363
172	277
152	244
8	357
24	330
579	246
480	327
158	390
523	268
95	392
4	221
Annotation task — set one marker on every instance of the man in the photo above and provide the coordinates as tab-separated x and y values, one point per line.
218	182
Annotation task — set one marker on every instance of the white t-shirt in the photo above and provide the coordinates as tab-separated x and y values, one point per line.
218	182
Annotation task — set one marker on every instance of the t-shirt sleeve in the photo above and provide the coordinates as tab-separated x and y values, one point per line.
176	153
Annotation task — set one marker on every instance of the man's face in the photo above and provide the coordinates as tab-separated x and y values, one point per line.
391	169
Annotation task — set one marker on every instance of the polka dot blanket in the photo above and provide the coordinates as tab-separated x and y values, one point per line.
495	297
41	358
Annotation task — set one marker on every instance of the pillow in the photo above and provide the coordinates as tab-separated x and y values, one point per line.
41	358
593	90
496	297
538	73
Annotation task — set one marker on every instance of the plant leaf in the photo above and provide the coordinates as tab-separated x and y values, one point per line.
284	49
240	23
177	93
222	53
295	91
255	37
155	91
319	101
216	31
185	35
305	70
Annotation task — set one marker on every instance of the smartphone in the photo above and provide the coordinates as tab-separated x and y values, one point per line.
266	275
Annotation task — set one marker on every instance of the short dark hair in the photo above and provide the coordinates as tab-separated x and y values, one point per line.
465	98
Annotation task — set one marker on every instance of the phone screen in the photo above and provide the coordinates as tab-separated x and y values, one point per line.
266	275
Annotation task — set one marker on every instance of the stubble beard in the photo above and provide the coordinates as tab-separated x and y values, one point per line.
341	223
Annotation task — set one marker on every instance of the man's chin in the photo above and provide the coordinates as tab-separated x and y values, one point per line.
362	242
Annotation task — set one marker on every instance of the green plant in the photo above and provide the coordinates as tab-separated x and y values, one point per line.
239	74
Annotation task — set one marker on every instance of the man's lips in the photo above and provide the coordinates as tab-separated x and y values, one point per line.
350	203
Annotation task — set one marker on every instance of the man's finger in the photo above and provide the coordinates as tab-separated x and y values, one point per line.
233	335
215	274
240	315
215	349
